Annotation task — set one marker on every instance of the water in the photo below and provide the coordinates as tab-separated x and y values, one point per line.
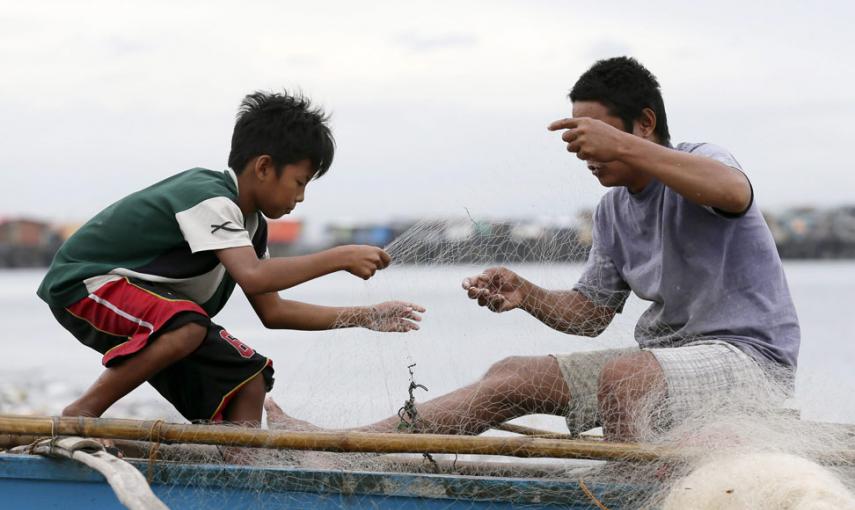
350	377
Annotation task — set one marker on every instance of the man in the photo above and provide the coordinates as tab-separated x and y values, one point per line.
679	228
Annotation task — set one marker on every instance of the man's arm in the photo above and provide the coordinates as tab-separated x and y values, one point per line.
278	313
256	276
699	179
568	311
500	290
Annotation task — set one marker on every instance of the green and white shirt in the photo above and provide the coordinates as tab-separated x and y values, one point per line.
166	234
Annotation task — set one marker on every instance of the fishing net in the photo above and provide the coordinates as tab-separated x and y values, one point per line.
736	441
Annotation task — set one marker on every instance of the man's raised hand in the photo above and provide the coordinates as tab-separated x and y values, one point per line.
591	139
363	261
497	288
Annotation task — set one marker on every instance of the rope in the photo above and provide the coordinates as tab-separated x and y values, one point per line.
154	437
591	496
30	448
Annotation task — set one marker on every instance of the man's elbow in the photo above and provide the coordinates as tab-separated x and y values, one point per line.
736	198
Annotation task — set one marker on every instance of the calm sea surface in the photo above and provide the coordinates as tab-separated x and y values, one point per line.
349	377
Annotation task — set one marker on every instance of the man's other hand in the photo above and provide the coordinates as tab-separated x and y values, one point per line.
497	288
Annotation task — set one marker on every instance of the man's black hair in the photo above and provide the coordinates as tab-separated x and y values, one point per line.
625	87
285	127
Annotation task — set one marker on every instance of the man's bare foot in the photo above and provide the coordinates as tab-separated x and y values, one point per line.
278	419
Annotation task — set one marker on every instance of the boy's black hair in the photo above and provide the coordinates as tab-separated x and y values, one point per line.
285	127
625	87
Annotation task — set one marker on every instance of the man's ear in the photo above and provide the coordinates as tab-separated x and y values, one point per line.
645	125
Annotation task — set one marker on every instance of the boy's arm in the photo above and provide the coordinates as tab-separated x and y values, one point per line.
278	313
500	290
257	276
699	179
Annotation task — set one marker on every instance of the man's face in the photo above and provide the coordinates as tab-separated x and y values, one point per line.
282	194
613	173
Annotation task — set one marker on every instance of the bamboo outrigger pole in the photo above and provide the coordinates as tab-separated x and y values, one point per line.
160	431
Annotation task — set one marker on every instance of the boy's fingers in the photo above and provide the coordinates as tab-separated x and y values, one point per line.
385	258
563	124
417	308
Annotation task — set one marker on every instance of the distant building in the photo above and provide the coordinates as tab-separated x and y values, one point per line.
27	243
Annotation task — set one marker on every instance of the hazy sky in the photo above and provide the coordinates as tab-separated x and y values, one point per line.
437	106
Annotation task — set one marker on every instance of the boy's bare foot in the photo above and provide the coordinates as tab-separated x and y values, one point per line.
278	419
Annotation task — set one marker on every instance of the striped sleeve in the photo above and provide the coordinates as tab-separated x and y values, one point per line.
213	224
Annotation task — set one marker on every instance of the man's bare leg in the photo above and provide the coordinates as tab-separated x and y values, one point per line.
629	387
117	381
631	391
279	419
511	388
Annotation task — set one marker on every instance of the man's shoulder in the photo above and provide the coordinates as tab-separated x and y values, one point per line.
709	150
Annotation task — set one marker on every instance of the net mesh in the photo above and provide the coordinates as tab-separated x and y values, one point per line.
723	434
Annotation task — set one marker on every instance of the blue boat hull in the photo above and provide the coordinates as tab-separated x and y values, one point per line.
37	482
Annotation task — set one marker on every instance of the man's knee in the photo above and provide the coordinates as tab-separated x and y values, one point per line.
629	385
631	372
510	367
182	341
533	383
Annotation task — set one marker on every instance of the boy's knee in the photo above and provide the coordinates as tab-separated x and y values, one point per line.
255	389
182	341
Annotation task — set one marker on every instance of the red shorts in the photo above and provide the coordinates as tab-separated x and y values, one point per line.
122	316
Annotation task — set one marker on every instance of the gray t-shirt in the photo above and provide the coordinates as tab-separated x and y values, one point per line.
709	275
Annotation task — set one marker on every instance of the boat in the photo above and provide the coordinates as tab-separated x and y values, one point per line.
31	481
56	472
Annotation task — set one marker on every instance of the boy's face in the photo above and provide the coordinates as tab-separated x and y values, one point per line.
613	173
280	195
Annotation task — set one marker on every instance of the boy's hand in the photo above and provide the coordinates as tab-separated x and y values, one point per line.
591	139
497	288
363	261
392	316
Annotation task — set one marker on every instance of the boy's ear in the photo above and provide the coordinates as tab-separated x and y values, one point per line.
645	125
264	167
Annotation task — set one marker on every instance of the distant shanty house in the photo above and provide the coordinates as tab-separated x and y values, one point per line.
27	243
283	236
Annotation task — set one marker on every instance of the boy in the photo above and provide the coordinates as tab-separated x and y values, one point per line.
679	227
141	281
